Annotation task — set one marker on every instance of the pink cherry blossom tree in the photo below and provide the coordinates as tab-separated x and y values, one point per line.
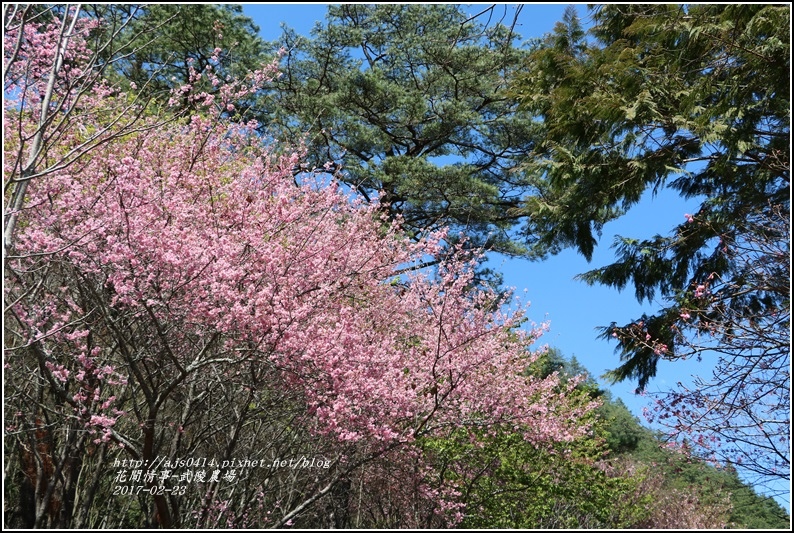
51	77
171	293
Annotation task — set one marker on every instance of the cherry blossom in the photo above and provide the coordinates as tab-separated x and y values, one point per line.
180	260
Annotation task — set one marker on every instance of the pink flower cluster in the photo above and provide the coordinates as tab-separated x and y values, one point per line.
220	240
30	51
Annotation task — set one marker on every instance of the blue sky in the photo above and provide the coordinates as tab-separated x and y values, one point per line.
573	308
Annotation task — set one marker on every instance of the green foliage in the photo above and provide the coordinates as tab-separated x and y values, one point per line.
694	98
506	482
622	430
752	511
153	46
408	102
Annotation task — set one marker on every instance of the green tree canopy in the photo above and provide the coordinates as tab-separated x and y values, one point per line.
691	98
696	99
409	102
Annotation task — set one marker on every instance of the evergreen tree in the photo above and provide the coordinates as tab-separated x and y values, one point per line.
696	99
409	102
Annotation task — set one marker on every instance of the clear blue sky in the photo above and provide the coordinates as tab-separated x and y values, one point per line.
573	308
